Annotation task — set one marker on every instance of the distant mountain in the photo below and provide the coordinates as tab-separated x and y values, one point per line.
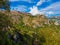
54	17
56	20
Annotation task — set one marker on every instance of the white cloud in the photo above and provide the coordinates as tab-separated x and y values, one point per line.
21	8
29	1
53	8
41	1
50	10
34	10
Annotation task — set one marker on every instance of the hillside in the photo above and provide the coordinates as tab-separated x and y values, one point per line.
17	28
28	19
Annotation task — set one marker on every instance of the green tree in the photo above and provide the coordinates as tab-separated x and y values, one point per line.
4	4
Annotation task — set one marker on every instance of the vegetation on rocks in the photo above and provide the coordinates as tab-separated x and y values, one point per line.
18	28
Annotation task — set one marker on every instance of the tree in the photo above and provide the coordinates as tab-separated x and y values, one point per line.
4	4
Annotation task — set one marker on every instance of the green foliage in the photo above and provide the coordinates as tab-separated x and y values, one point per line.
47	35
4	4
4	21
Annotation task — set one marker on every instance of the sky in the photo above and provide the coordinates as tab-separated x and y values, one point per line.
46	7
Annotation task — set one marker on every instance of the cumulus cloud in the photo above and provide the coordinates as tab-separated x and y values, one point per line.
34	10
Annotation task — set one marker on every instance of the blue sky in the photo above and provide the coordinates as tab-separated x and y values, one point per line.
46	7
